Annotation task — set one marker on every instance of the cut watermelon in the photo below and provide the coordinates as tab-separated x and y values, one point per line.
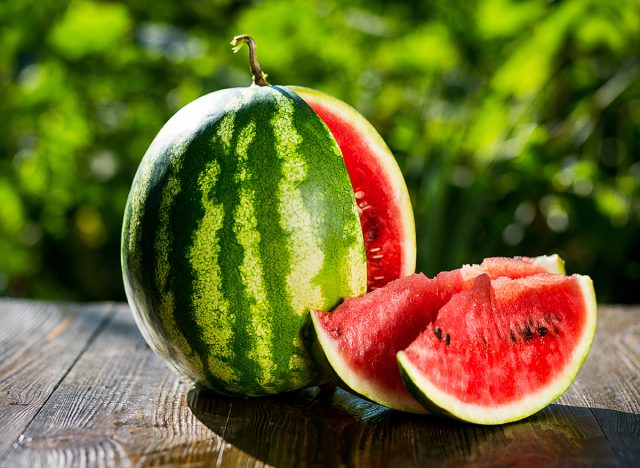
383	201
359	340
450	282
504	349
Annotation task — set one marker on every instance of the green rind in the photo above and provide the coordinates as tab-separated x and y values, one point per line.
440	403
240	182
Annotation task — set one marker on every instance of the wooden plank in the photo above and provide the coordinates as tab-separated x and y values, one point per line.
39	343
609	381
118	406
310	429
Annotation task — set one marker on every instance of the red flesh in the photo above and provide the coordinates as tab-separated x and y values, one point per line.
541	317
360	322
464	278
370	330
379	214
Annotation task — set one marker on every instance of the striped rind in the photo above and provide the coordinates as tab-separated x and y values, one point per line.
435	400
240	220
387	161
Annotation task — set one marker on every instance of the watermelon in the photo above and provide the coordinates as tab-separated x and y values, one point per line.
241	218
384	207
357	342
503	349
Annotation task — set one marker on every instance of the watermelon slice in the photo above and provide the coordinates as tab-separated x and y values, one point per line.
504	349
358	341
383	201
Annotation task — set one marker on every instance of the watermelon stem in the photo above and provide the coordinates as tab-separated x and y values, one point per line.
259	77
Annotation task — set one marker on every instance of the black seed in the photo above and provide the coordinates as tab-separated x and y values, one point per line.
484	339
438	332
370	234
527	333
542	330
447	339
513	336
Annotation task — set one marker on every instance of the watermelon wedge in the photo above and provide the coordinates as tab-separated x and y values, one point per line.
504	349
358	341
381	194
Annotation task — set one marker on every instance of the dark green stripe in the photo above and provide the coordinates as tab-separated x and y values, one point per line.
274	254
340	230
227	192
151	200
187	214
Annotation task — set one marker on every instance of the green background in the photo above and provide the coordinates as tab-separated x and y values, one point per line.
516	123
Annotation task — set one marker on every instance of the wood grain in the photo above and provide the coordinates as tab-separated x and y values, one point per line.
310	429
39	343
609	382
117	404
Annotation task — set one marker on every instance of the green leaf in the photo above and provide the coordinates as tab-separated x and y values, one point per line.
90	28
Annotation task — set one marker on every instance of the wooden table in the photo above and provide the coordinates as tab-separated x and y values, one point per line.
79	387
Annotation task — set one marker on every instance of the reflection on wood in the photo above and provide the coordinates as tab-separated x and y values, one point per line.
332	429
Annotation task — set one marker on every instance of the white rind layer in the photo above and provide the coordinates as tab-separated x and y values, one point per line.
551	263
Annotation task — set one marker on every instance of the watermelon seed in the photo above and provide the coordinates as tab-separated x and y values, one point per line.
375	249
542	330
438	332
447	339
513	336
371	234
527	333
359	194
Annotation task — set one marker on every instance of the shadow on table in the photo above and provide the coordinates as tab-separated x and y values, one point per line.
315	427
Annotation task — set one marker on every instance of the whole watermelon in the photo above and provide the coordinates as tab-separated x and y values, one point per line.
241	218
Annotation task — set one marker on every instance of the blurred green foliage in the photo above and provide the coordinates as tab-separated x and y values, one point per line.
516	123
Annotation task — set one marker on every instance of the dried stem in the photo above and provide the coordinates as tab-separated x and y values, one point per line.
259	77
